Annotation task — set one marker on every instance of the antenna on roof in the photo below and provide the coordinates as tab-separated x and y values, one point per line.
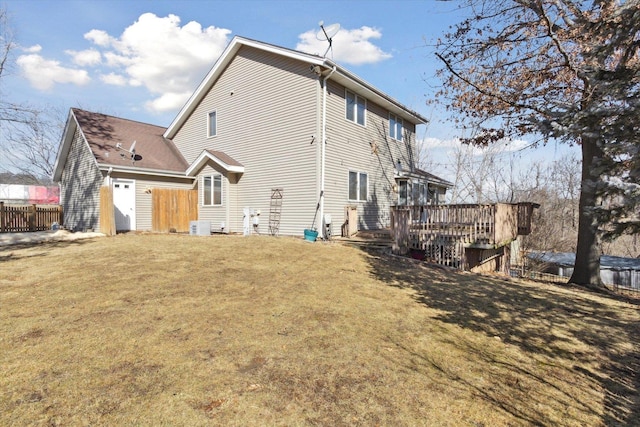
327	34
131	150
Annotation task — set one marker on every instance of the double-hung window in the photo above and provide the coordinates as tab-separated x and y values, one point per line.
395	127
212	124
356	108
358	186
212	190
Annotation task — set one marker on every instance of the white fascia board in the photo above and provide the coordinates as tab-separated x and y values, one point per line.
64	147
141	171
64	150
220	65
435	181
362	87
289	53
204	157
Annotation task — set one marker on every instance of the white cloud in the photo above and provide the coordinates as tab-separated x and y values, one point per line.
115	60
43	73
514	144
349	46
503	145
158	53
169	101
32	49
99	37
113	79
83	58
439	143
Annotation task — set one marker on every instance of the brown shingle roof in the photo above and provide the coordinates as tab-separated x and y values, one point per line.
225	158
153	151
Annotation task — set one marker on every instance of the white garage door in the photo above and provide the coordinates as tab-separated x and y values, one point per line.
124	204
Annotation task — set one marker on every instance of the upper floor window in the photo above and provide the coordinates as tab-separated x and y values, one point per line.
395	127
358	186
212	190
212	125
356	108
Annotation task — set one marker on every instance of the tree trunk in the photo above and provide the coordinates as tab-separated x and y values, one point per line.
586	270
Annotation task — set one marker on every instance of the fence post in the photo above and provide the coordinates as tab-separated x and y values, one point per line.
2	218
32	218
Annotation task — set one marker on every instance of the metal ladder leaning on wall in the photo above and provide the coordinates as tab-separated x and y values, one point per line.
275	211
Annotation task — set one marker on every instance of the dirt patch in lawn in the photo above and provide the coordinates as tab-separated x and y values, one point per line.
184	330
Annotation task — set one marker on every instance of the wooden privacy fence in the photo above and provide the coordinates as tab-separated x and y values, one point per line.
21	218
173	209
107	212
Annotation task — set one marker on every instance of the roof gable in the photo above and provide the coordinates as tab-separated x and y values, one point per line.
110	137
339	74
223	160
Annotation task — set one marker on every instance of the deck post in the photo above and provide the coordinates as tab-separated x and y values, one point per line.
400	220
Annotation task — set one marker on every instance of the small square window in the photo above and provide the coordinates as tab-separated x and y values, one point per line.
212	124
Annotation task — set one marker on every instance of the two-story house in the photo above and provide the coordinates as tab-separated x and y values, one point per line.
264	118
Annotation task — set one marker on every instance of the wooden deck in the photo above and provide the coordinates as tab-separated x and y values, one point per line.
445	233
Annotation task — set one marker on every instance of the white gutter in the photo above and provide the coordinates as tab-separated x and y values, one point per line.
324	143
141	171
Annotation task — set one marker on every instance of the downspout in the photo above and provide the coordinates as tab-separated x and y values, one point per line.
323	150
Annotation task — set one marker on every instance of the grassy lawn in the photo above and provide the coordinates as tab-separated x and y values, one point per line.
182	330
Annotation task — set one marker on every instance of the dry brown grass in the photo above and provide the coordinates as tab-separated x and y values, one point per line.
180	330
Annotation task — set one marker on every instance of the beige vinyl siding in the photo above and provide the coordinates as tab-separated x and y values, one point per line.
80	187
369	149
144	185
267	111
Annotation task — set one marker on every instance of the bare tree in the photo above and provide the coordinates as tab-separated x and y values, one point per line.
567	70
31	148
28	137
9	112
556	187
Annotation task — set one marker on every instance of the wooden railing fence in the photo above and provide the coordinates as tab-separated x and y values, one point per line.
467	224
25	218
460	235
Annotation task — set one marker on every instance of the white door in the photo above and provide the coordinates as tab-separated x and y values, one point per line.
124	204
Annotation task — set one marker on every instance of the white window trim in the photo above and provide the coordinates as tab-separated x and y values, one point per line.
355	106
212	175
397	120
358	173
209	124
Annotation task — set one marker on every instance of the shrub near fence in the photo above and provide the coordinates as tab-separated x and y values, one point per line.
21	218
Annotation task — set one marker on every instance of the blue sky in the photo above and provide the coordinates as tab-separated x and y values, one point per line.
140	59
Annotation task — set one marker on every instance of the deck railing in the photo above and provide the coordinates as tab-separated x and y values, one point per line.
21	218
466	225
